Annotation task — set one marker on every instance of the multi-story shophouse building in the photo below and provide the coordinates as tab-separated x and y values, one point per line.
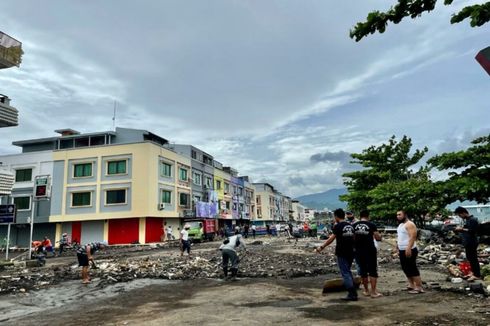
250	208
121	186
298	211
205	198
222	182
265	199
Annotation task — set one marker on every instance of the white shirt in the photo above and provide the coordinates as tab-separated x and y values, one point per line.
254	227
185	235
403	237
232	244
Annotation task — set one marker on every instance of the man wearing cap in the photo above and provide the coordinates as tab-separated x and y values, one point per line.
85	255
185	244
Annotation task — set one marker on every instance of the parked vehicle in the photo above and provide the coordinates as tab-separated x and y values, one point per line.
202	230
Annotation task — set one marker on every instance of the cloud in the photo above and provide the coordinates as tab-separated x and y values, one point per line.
341	157
277	90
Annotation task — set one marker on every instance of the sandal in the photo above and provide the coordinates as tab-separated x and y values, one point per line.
366	294
377	295
416	291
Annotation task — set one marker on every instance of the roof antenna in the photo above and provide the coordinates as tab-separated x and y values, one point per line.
114	116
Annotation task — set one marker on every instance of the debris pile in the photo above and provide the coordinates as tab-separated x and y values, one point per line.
258	263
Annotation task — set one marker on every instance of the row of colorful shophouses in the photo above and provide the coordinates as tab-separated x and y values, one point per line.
125	186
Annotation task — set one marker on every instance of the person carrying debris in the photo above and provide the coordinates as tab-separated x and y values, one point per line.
185	243
343	233
366	253
85	256
48	246
469	234
229	254
407	251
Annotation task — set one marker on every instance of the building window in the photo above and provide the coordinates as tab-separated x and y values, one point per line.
184	200
197	179
209	182
197	198
227	205
116	167
166	197
182	174
218	185
193	154
82	170
114	197
227	188
22	203
165	170
23	175
81	199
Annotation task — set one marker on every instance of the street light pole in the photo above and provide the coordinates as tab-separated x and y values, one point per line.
32	224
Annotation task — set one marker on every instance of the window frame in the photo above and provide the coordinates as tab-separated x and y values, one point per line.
116	204
186	174
162	165
161	196
180	199
108	162
24	169
22	209
81	192
196	174
74	164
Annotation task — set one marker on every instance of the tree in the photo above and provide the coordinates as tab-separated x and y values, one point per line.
479	14
389	162
469	171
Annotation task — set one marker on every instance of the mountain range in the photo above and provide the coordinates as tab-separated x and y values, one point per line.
328	199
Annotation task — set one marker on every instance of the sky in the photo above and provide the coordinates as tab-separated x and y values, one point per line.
276	89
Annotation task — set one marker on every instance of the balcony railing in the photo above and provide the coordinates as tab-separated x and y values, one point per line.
10	51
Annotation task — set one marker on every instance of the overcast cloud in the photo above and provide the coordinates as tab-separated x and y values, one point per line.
269	87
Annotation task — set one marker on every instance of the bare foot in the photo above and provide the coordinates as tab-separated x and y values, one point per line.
365	293
376	295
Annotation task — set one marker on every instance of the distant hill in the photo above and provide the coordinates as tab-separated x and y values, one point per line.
329	199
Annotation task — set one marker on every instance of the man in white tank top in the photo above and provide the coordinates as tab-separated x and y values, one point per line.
407	251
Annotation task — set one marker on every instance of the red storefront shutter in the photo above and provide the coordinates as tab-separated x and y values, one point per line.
124	231
154	229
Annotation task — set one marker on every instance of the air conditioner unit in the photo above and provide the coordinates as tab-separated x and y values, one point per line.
161	206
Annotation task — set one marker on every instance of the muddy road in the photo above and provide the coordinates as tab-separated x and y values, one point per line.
252	300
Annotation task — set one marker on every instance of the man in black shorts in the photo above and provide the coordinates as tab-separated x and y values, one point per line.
365	233
85	255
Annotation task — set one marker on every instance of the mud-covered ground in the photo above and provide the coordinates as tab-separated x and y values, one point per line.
281	282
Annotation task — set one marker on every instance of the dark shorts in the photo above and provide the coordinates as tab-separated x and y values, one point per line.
367	262
82	260
409	264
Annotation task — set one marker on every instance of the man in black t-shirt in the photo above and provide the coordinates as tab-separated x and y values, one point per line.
365	233
469	234
343	233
